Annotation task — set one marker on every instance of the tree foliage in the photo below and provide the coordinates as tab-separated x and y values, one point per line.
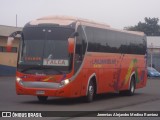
150	27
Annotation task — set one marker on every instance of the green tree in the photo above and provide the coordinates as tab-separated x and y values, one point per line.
150	27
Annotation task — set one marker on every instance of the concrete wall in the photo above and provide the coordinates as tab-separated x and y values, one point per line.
8	60
7	70
155	58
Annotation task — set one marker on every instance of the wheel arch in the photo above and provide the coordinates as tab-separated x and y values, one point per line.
94	78
132	75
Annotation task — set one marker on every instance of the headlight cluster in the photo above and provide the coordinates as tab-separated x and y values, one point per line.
19	80
64	82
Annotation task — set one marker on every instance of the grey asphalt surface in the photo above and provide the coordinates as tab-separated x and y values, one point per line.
145	99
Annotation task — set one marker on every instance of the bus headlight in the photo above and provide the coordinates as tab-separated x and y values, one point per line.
64	82
19	80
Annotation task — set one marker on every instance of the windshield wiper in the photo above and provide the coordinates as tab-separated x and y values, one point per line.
41	68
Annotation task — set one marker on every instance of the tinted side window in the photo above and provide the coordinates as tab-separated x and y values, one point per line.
105	40
91	42
100	40
136	45
115	41
81	45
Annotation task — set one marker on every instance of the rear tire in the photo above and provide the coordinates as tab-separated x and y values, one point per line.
91	92
131	90
42	98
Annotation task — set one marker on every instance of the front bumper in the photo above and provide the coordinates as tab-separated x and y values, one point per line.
43	89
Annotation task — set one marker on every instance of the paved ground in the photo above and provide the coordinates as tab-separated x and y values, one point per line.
146	99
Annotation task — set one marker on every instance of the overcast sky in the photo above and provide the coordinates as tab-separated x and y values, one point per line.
116	13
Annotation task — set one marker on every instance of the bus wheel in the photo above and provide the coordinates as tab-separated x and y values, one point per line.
91	92
42	98
132	87
131	90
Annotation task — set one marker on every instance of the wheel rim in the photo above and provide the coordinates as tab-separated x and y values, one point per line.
132	87
91	90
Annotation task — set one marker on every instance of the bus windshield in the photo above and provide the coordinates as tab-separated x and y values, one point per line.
45	48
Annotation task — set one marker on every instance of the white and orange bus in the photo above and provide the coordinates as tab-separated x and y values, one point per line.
70	57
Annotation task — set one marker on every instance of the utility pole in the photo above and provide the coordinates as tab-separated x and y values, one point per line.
151	53
16	20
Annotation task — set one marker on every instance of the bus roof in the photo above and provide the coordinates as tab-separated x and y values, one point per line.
66	20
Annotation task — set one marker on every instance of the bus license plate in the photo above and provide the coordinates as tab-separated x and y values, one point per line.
40	92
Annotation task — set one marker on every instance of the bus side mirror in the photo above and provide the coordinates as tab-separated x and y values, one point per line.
71	45
76	34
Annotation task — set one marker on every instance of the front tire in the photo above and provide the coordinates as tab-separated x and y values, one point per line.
42	98
91	92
